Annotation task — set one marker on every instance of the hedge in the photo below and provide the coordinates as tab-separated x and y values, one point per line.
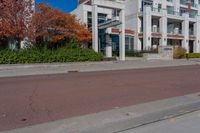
44	55
192	55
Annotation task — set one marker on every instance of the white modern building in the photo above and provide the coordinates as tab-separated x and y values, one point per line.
106	20
164	22
125	25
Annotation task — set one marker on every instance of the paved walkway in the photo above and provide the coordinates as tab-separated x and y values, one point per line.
38	69
185	124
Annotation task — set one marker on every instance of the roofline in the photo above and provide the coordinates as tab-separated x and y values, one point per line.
82	1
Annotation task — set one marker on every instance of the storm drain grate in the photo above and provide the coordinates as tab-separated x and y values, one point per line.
73	71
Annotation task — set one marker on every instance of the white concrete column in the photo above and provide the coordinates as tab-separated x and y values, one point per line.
122	36
95	27
85	16
163	28
137	43
197	33
147	28
108	47
185	31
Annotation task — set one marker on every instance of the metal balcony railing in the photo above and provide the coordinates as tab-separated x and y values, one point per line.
193	4
156	10
174	31
171	12
155	30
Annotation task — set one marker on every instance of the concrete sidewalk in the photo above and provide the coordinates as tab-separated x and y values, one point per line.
120	119
188	123
58	68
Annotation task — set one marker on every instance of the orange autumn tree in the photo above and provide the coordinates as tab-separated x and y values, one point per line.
83	35
15	17
53	26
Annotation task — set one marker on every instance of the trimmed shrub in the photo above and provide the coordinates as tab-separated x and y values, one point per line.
44	55
192	55
154	50
134	54
179	52
140	53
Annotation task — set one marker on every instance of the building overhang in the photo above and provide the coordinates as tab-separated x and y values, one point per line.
83	1
109	23
128	32
176	36
114	4
156	35
192	37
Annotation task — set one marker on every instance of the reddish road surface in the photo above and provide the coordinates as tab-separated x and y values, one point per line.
36	99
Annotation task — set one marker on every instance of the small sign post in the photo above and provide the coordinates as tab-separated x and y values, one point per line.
166	52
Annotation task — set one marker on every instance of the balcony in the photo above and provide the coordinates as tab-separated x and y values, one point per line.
175	13
153	9
193	3
155	29
175	31
192	15
156	10
156	32
183	2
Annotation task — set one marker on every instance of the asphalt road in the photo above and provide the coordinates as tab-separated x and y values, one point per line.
32	100
185	124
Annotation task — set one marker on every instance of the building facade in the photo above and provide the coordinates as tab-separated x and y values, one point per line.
164	22
148	24
106	20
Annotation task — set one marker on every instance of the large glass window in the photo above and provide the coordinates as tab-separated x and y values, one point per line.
115	44
129	43
193	13
170	10
89	19
101	18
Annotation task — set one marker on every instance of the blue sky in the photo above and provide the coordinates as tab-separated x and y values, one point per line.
64	5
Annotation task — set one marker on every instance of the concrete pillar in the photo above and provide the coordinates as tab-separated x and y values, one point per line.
147	28
137	44
122	36
163	28
185	32
108	47
197	33
95	27
85	16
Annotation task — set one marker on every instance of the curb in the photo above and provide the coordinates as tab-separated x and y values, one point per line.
45	65
51	69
